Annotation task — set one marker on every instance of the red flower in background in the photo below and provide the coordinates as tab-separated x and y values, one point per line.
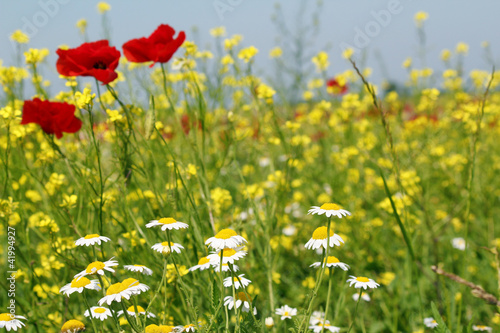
159	47
335	87
53	117
96	59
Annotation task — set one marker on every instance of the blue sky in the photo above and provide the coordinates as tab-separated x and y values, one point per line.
52	23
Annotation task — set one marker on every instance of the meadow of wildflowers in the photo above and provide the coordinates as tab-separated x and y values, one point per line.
168	188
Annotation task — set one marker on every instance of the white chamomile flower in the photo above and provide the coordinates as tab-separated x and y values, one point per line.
165	248
317	317
167	223
241	299
124	289
319	239
332	261
229	281
458	243
317	328
140	310
73	326
99	312
189	328
98	267
286	312
11	322
139	268
362	282
226	238
78	284
203	263
430	322
364	296
481	328
228	256
329	209
91	240
289	230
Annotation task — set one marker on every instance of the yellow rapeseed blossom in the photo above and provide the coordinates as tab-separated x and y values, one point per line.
81	25
321	61
103	7
407	63
347	53
85	98
35	56
276	52
420	17
265	92
248	53
19	37
462	48
218	31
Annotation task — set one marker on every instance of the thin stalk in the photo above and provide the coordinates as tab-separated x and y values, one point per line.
328	297
355	310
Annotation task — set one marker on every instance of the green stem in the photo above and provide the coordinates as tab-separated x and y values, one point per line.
90	311
327	297
355	310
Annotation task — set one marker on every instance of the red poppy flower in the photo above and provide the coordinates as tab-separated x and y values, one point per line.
159	47
96	59
53	117
334	87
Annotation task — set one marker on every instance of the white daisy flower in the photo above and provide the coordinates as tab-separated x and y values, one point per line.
317	317
124	289
73	326
225	267
99	312
364	296
203	263
91	240
327	327
139	268
289	230
430	322
226	238
98	267
329	209
458	243
481	328
11	322
189	328
228	256
241	299
167	223
332	261
229	281
269	322
140	310
78	284
362	282
286	312
165	248
319	239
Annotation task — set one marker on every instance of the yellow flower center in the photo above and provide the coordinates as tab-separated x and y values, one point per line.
72	326
139	266
115	289
100	310
130	282
242	297
228	252
203	261
226	234
332	260
321	232
235	279
81	282
92	236
362	279
94	267
166	220
139	309
167	245
6	317
330	206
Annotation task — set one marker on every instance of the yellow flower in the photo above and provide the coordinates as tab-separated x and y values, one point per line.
321	61
69	201
103	7
114	115
276	52
265	92
34	56
386	278
407	63
420	17
84	99
248	53
347	53
20	37
218	31
462	48
82	25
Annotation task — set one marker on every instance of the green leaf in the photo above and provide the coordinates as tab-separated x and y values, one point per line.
441	328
